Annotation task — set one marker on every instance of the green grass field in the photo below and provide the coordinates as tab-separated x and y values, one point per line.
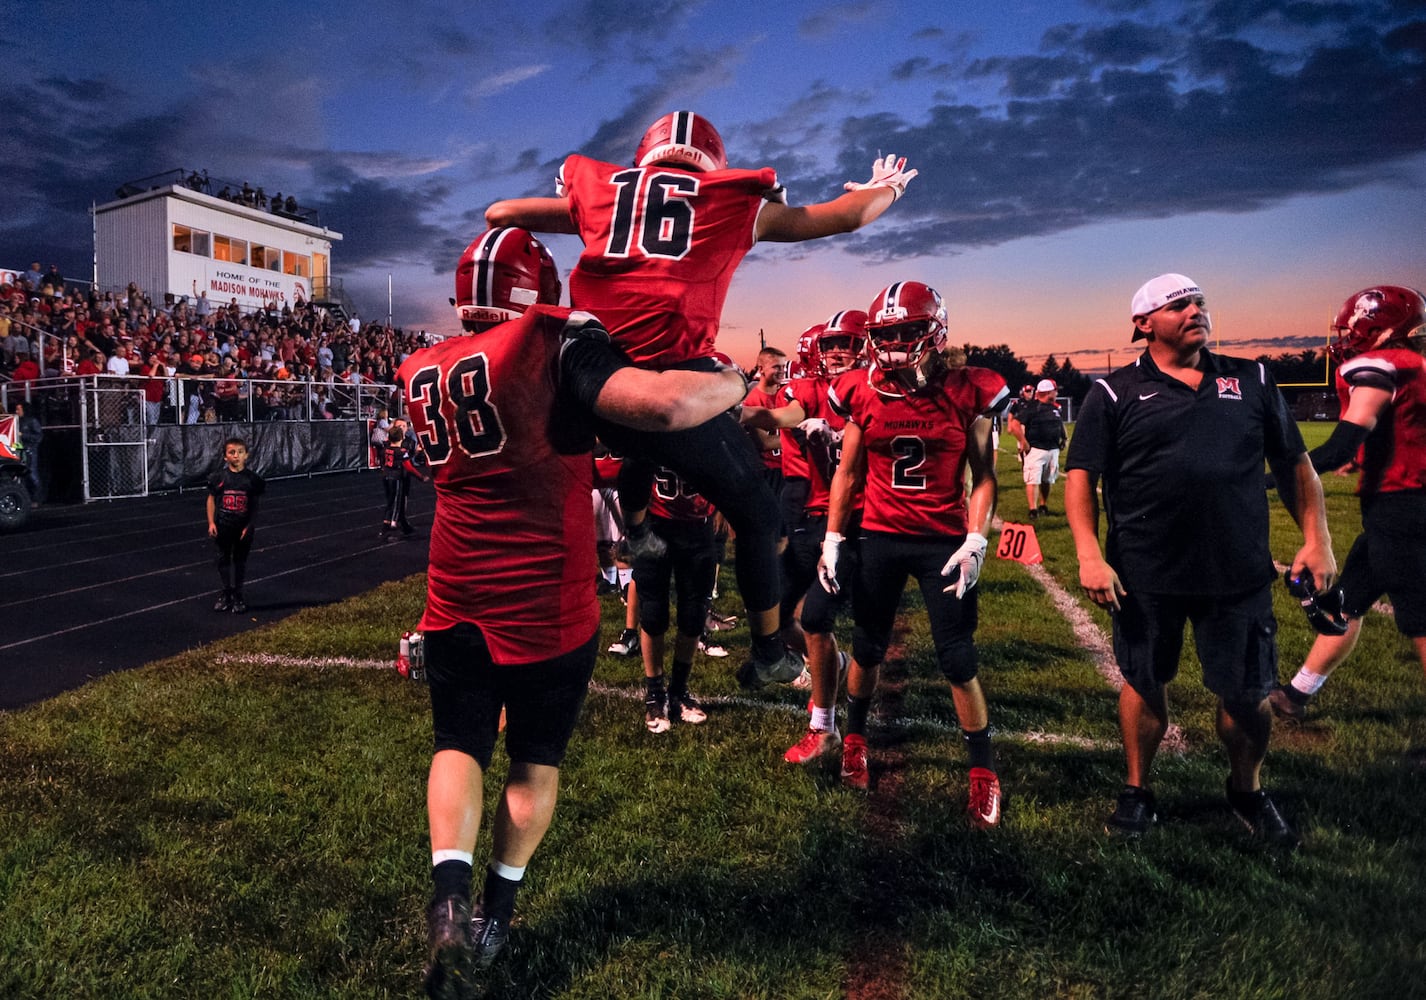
247	820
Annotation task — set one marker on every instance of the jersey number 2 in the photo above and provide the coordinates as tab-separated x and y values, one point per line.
477	423
652	209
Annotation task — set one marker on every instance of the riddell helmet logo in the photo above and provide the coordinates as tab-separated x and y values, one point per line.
1366	308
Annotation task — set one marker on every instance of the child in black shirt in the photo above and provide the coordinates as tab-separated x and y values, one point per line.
232	508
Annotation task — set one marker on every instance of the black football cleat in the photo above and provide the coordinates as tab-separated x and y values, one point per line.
1133	814
450	959
489	935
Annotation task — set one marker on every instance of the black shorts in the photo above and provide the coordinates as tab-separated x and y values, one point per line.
799	561
886	562
820	608
468	689
1235	637
1389	557
793	499
690	565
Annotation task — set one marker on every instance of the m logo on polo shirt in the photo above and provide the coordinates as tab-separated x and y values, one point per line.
1228	388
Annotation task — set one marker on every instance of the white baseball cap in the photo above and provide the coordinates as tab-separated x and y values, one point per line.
1158	292
1046	385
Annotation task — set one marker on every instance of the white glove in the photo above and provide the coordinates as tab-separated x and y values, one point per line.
967	560
888	173
818	429
827	565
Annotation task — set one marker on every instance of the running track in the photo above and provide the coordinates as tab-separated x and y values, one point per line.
89	589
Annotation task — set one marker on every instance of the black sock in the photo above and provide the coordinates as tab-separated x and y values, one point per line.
678	680
857	711
653	690
980	749
498	898
452	878
767	648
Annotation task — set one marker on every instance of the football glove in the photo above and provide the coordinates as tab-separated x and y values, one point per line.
818	430
963	568
827	565
888	173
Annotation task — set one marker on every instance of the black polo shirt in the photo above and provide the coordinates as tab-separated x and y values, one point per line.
1182	472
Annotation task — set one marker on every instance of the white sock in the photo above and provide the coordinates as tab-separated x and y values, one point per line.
824	719
506	872
438	856
1307	682
612	574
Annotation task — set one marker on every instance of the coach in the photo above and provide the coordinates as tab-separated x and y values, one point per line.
1179	438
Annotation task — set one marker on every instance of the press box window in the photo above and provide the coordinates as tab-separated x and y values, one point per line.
297	264
194	241
229	249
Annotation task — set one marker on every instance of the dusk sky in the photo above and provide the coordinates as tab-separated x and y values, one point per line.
1275	152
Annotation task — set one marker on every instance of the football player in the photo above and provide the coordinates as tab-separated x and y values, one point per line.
914	426
808	611
511	617
683	520
1380	337
662	238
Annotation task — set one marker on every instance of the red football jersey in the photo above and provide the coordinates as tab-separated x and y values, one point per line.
916	447
811	393
673	500
756	397
514	531
660	248
1393	457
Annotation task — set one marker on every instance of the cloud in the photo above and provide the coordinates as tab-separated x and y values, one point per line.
492	85
599	24
1107	125
830	21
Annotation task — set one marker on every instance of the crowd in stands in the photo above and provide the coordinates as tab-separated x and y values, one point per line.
282	357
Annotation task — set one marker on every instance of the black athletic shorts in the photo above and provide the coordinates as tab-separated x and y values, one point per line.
468	689
1389	557
690	567
886	561
1235	637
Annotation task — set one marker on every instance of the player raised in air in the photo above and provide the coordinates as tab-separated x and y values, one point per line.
662	238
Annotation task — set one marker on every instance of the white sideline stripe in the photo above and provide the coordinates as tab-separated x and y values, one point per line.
633	695
1093	640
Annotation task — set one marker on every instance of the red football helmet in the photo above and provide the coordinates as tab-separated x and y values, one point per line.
1384	316
682	139
906	321
502	273
845	331
807	362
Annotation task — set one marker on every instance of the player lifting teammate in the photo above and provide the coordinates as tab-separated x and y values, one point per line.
511	616
661	241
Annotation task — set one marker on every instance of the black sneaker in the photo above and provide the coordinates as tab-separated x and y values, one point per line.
1288	703
604	587
224	602
754	673
489	935
451	951
1133	814
627	644
1257	812
239	606
656	715
686	709
1045	511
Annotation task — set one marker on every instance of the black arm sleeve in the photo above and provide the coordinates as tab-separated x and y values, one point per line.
1340	448
587	359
